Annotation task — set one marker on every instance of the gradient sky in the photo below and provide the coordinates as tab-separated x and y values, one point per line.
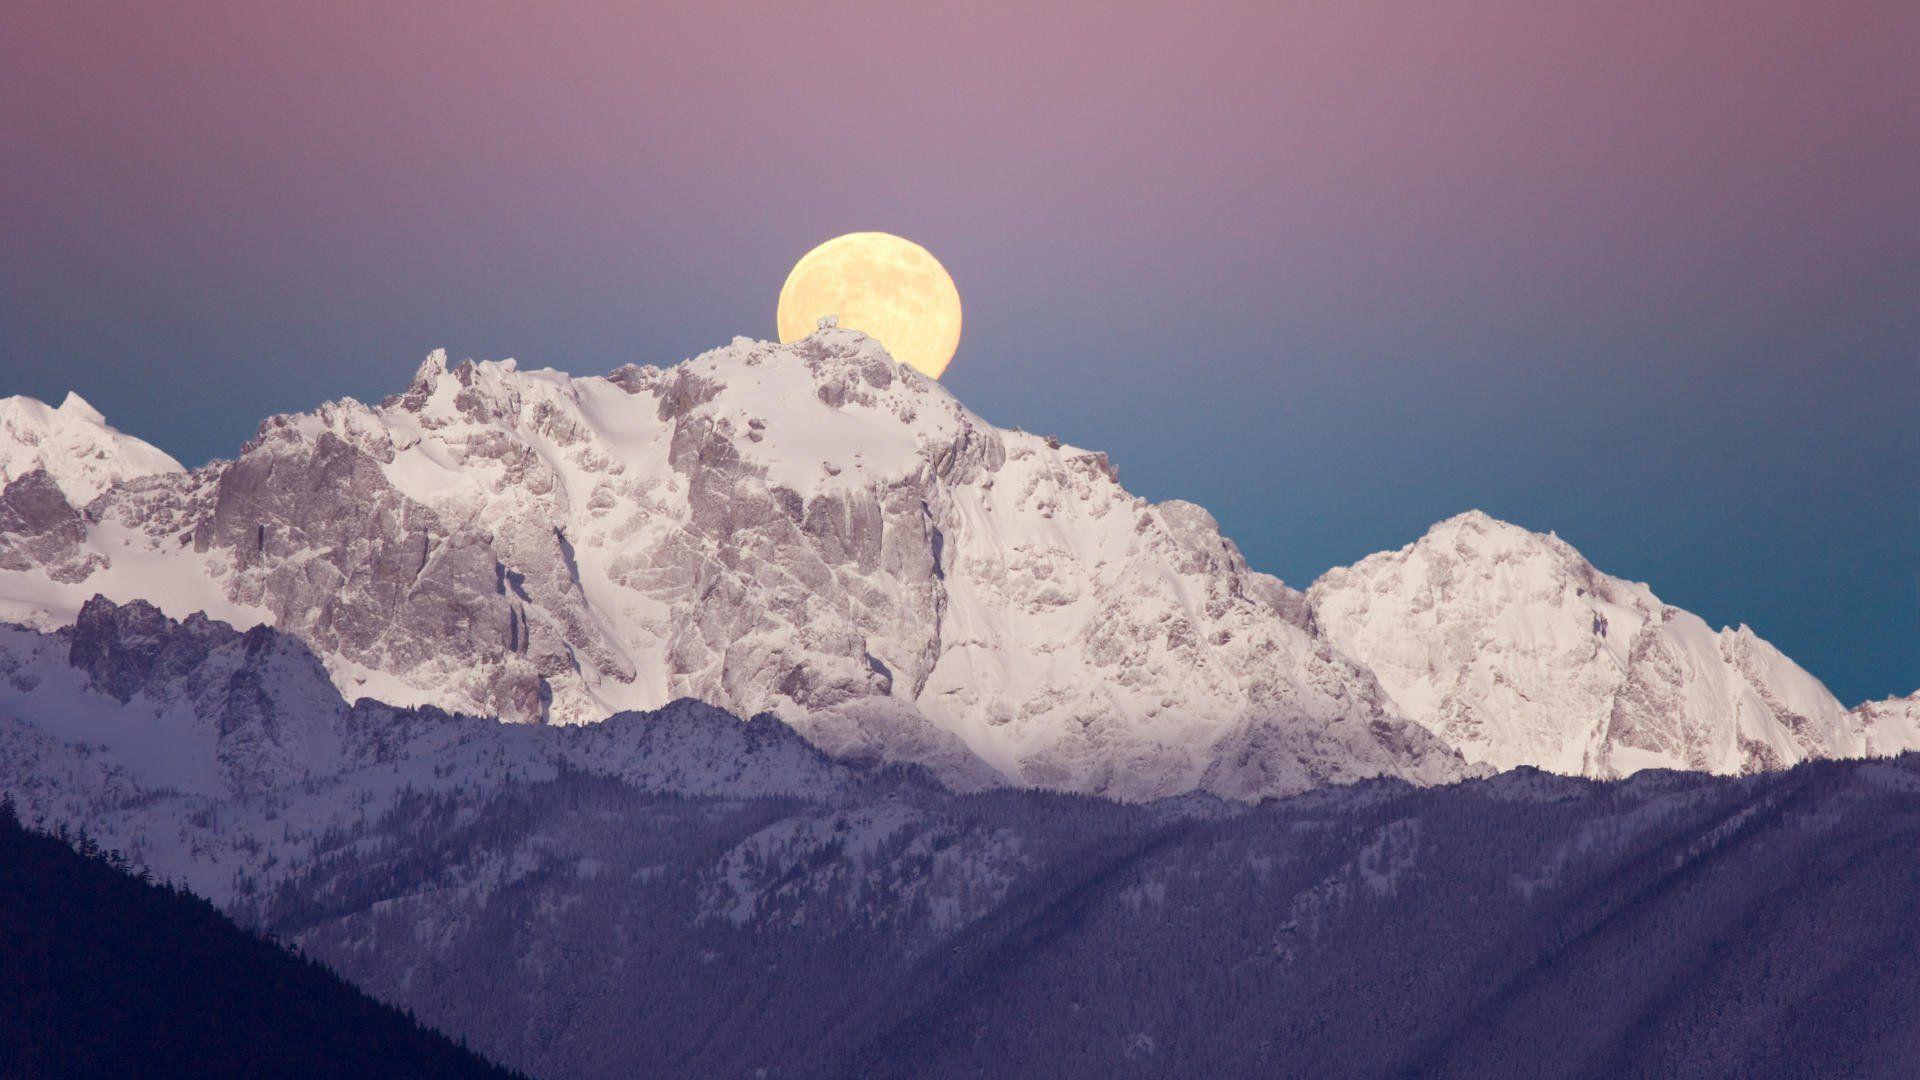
1644	274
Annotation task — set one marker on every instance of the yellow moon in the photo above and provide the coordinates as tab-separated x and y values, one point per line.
887	287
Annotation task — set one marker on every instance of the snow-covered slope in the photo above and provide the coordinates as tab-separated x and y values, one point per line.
210	752
810	529
74	445
1514	649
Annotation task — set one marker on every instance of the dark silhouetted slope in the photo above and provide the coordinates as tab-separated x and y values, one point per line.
102	974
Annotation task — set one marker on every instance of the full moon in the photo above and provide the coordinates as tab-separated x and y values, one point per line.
887	287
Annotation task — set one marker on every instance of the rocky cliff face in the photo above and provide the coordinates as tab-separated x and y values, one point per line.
40	530
255	706
809	529
1514	649
223	756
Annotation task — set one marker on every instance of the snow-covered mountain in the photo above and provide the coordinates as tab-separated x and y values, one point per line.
80	453
1513	648
810	529
816	531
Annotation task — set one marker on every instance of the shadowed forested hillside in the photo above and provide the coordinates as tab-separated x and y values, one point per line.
1524	926
103	974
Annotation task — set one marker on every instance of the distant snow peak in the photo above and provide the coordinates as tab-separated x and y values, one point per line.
1513	648
74	445
1889	727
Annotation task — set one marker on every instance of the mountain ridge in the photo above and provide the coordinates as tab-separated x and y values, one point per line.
809	529
814	530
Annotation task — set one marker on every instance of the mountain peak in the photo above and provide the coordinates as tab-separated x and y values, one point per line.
76	406
1476	519
74	444
1478	532
430	369
1514	648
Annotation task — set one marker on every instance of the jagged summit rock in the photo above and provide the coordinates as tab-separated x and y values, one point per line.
808	529
1513	648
